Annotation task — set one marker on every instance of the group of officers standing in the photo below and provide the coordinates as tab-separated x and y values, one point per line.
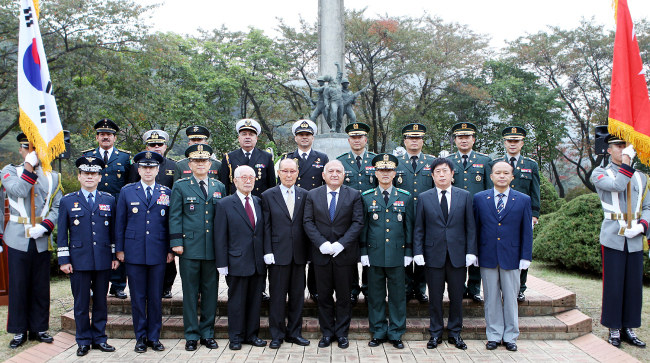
411	220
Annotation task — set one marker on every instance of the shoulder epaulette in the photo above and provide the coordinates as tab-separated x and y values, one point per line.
403	191
481	153
371	153
164	187
433	156
368	191
342	155
182	179
124	151
85	151
69	194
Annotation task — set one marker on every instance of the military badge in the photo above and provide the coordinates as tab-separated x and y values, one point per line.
76	222
526	170
135	210
119	176
105	207
398	203
371	179
216	195
399	217
191	207
477	165
478	178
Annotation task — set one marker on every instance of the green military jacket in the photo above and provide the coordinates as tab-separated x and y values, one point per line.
387	234
415	182
191	217
475	177
359	179
526	180
182	169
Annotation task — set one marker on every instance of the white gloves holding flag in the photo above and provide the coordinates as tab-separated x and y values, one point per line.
636	229
365	261
37	231
419	260
407	260
629	151
269	259
471	260
524	264
223	270
32	159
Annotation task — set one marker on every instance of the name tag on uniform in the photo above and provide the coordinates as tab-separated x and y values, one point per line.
135	203
75	209
187	171
526	170
105	207
169	172
163	199
477	165
191	199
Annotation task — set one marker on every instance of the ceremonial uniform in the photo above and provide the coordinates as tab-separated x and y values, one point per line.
260	161
165	175
310	171
387	237
200	135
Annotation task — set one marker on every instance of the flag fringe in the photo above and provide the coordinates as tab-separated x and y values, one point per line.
37	8
614	6
626	132
46	152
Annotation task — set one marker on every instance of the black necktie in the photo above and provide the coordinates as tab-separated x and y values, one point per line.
464	161
202	185
304	156
385	197
414	162
148	195
443	205
513	162
358	162
105	156
248	158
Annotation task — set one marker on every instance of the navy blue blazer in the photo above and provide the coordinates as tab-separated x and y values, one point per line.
85	234
236	244
503	239
141	228
117	171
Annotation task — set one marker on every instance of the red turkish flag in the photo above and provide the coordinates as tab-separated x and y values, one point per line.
629	105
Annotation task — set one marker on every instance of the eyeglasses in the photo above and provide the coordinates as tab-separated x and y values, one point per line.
156	144
288	171
247	178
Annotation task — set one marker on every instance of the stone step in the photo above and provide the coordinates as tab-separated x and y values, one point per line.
563	326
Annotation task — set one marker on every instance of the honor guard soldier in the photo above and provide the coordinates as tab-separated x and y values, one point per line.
526	180
622	248
114	176
142	244
359	175
87	254
310	162
261	161
386	247
156	141
471	173
191	231
28	248
197	135
414	175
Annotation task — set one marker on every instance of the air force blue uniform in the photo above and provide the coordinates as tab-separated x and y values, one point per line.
85	236
142	233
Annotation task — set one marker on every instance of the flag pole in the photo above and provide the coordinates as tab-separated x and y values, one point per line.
629	198
32	204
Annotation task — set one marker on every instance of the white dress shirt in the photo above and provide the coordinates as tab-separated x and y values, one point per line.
505	198
110	152
329	196
447	194
300	152
242	197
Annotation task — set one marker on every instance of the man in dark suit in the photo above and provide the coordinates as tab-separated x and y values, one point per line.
87	254
285	253
504	232
444	241
239	251
333	221
142	243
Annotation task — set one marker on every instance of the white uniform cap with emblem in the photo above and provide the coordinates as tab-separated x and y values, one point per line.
248	124
155	136
304	126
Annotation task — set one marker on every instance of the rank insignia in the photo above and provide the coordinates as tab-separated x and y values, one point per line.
477	165
105	207
76	204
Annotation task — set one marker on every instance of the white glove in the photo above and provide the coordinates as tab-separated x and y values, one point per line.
337	248
634	231
419	260
32	159
365	261
326	248
629	151
469	260
524	264
407	260
37	231
269	259
223	270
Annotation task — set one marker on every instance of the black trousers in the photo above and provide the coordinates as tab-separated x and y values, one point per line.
244	304
118	278
81	283
622	288
29	290
311	279
283	281
474	281
455	278
146	287
416	283
170	275
330	278
363	288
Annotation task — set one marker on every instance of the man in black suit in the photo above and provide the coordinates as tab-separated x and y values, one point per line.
333	221
444	241
285	253
239	251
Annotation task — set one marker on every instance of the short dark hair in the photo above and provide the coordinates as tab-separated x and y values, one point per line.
442	161
512	170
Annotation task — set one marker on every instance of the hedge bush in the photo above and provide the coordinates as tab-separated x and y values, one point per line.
550	200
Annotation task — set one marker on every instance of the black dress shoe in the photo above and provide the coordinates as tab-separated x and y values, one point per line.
157	345
190	345
614	337
511	347
433	342
423	298
457	342
104	347
209	343
376	342
397	343
275	343
629	336
477	298
167	294
234	346
120	294
83	350
265	296
42	337
141	346
18	340
492	345
298	340
256	342
325	342
343	342
521	297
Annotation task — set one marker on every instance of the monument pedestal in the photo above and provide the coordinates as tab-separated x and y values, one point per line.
333	144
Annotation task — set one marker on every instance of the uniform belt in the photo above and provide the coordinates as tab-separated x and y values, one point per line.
621	216
23	220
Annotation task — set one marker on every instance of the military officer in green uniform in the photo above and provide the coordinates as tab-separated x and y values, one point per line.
360	175
472	173
386	247
197	135
526	179
414	175
191	222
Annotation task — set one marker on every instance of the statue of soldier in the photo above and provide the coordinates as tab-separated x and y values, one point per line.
333	100
320	104
348	99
